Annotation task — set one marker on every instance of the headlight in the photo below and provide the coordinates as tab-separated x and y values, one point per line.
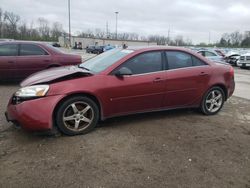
33	91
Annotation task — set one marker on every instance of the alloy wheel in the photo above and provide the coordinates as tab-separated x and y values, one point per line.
78	116
214	101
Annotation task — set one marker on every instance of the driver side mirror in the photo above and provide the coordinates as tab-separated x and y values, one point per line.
123	72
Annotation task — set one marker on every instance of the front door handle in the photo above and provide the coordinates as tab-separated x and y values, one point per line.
11	61
156	80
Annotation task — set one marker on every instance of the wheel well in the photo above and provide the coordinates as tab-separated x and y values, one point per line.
73	95
223	87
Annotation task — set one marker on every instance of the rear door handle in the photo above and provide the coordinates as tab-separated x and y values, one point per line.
46	60
11	61
156	80
203	74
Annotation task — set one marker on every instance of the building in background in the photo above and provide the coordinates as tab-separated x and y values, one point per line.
64	41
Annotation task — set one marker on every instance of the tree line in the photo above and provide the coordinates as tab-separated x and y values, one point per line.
235	39
12	27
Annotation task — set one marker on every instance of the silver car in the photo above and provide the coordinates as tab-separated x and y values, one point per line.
212	55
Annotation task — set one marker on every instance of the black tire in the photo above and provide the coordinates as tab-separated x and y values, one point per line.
75	122
207	98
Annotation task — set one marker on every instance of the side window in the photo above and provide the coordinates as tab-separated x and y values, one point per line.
8	50
209	54
144	63
197	62
178	60
31	49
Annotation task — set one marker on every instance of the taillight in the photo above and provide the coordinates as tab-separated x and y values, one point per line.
231	71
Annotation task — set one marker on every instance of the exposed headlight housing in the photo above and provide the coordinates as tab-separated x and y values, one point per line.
32	91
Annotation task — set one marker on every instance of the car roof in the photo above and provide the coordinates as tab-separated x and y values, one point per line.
149	48
22	42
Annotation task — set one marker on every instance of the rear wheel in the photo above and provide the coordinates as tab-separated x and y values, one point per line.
213	101
77	115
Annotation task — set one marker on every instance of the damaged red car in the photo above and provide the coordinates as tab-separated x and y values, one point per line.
120	82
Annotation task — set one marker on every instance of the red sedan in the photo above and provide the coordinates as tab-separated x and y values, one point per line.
21	59
120	82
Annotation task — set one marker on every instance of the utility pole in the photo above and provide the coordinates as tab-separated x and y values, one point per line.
168	35
209	37
107	30
116	15
69	24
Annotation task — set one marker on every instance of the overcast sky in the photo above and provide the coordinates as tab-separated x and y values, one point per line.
193	19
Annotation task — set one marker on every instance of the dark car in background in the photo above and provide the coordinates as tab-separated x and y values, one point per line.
21	59
95	49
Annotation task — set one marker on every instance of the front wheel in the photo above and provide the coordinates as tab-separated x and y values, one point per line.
213	101
77	115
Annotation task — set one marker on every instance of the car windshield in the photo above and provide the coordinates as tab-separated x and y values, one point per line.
106	59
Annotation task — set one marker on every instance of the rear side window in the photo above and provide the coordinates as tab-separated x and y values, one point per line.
144	63
177	59
8	50
31	50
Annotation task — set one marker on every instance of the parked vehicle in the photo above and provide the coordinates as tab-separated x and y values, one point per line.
95	49
244	61
57	45
232	58
212	55
108	47
220	52
120	82
21	59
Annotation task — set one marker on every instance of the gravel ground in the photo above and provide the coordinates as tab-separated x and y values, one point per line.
180	148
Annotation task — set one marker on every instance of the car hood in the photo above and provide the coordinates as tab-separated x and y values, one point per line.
246	54
55	74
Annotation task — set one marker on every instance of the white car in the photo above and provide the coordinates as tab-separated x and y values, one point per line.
244	61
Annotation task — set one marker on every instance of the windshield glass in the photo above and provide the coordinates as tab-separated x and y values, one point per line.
106	59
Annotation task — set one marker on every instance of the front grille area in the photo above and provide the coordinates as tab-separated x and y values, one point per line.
242	57
248	57
17	100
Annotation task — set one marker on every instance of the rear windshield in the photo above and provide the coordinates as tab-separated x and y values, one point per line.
106	59
54	48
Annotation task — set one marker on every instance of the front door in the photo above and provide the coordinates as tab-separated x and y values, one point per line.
141	91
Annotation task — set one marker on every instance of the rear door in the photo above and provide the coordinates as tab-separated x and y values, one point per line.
32	58
187	79
143	90
8	66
